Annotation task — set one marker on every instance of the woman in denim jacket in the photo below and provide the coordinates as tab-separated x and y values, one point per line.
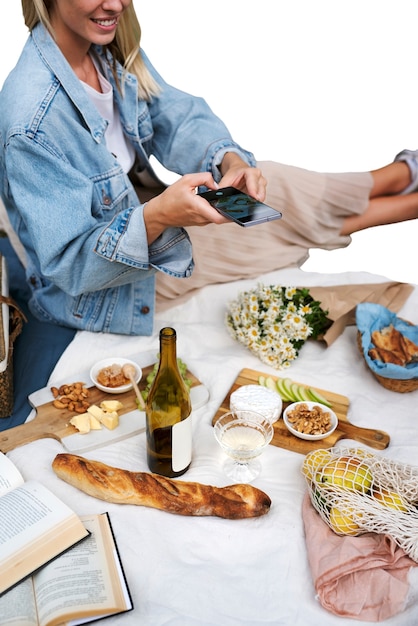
80	116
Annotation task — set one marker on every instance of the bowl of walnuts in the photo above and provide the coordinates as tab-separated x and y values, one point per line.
310	420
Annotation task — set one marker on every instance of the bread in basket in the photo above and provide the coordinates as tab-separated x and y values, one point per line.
372	317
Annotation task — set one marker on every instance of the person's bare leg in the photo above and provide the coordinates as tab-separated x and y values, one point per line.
386	206
390	180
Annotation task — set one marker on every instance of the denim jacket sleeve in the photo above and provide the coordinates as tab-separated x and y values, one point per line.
72	231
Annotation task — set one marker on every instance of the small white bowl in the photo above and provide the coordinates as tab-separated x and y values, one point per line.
310	405
107	363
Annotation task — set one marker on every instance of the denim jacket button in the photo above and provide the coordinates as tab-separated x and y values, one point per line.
107	200
145	310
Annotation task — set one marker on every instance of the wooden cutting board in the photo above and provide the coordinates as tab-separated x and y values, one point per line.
284	439
52	422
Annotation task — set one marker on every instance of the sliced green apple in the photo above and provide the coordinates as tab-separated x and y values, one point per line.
287	387
270	384
290	391
316	396
296	391
304	394
283	392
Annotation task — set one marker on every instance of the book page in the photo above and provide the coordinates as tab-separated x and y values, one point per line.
18	607
85	582
10	477
35	526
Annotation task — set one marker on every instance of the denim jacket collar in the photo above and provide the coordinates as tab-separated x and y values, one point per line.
59	67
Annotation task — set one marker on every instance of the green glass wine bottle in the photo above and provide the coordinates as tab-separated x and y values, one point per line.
168	414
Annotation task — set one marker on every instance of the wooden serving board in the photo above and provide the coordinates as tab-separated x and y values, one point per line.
284	439
52	422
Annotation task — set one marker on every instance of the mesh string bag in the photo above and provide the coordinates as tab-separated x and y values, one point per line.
356	491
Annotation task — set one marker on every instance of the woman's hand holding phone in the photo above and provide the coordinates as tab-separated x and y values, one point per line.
180	206
240	207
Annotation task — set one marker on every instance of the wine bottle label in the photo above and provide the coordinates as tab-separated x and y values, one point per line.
182	444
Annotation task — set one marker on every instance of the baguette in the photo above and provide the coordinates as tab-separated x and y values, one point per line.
146	489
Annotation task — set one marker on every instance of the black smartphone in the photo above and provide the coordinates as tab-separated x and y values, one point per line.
240	207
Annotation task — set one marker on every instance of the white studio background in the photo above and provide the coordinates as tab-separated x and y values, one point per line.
327	85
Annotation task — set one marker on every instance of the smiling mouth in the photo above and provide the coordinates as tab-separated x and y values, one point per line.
106	22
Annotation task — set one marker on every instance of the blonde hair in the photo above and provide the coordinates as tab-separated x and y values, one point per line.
124	48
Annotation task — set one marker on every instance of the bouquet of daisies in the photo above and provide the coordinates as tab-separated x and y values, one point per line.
274	322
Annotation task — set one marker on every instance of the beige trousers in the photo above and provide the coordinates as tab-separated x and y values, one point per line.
314	206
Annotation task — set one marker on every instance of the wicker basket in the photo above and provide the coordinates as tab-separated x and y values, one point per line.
10	328
393	384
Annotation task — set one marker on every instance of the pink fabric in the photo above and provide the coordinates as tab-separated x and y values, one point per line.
363	577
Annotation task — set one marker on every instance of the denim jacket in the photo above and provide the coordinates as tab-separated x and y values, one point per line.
71	204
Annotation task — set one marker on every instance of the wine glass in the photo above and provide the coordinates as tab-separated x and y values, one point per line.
243	435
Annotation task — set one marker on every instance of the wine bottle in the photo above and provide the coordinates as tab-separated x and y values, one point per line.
168	414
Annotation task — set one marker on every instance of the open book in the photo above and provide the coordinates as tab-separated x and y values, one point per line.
35	525
83	584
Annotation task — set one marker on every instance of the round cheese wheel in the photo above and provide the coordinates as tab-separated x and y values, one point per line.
259	399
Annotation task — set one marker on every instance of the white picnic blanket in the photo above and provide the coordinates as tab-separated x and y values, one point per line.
185	571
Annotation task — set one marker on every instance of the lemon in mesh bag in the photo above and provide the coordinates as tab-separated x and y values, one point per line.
356	491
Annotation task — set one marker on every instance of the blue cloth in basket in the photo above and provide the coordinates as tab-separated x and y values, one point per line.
371	317
36	350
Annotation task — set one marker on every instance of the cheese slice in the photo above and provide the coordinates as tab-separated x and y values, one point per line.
111	405
81	422
96	411
94	422
110	420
